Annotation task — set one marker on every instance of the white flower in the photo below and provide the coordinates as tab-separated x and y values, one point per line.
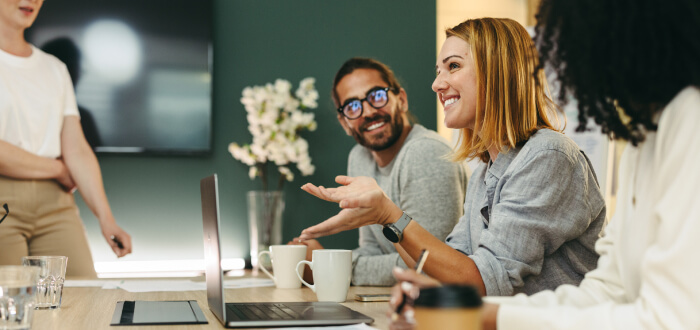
275	118
260	152
306	85
307	93
291	105
301	145
253	172
282	86
241	153
312	126
305	167
259	94
287	173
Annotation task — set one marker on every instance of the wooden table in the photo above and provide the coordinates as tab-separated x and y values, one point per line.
92	307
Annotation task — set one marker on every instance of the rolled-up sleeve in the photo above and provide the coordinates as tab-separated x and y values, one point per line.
541	204
370	263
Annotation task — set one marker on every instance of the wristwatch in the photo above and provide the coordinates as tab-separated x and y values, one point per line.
394	231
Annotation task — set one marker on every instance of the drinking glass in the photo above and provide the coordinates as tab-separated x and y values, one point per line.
17	296
51	277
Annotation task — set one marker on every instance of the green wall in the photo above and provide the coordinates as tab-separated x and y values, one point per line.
156	199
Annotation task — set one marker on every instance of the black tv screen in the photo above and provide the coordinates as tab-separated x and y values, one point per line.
141	70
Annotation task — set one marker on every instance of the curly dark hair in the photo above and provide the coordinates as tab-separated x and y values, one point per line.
620	58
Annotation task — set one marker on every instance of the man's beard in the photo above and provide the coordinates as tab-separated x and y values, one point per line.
381	142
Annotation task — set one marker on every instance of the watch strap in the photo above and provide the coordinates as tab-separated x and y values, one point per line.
402	222
394	231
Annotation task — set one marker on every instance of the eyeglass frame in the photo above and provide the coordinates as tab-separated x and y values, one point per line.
366	98
7	212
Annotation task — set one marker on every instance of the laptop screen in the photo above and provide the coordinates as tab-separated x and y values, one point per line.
212	250
307	313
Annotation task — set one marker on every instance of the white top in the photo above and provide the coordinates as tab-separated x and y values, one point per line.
648	271
35	94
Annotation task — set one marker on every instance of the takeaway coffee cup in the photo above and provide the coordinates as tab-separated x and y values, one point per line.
448	307
332	271
284	260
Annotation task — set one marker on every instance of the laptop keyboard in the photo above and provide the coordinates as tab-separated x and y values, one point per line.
260	311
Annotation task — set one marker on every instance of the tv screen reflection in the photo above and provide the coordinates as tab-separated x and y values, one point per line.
140	69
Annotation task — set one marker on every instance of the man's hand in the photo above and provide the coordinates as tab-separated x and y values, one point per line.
311	245
115	237
363	202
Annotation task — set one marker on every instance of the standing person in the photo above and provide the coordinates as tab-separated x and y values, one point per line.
44	155
68	52
639	78
406	160
533	209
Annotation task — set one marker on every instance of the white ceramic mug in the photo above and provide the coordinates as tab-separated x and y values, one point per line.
284	260
332	271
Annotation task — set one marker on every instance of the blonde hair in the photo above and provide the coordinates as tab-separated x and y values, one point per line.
512	101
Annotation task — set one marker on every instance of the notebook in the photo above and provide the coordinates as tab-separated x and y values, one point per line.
257	314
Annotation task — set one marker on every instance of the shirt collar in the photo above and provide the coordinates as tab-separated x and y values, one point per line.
498	168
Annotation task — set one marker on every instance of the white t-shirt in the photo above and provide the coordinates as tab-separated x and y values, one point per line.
35	94
647	275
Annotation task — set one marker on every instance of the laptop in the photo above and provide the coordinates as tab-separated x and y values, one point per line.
258	314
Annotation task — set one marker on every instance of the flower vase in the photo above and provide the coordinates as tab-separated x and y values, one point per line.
265	210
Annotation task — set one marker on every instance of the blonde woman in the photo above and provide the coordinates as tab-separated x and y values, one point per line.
533	209
647	274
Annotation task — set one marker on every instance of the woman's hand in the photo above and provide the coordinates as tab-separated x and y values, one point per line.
409	285
117	238
363	202
64	177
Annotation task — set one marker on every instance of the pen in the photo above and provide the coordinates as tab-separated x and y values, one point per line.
119	244
418	268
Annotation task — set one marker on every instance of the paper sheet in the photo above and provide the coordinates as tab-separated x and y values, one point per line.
167	284
246	283
83	283
155	285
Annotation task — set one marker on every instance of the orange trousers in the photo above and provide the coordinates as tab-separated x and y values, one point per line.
43	220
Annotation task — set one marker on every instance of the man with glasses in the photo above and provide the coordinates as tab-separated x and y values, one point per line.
407	161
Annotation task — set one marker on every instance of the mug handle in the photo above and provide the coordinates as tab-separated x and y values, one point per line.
311	265
262	267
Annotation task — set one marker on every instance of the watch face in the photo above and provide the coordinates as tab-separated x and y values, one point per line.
391	234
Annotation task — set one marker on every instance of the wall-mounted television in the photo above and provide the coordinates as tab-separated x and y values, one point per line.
141	70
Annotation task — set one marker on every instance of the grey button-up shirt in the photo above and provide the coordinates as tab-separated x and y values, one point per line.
532	217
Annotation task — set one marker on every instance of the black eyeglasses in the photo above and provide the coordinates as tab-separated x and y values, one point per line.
7	212
377	97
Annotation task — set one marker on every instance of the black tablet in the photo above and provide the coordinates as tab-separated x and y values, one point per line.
158	312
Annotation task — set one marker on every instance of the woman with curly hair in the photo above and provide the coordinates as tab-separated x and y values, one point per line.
634	67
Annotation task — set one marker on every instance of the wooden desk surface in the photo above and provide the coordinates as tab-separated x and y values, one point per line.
92	308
